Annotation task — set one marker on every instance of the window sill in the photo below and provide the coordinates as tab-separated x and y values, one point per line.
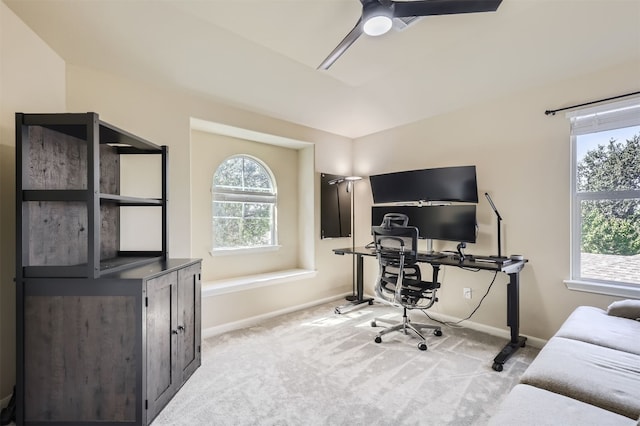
232	285
243	250
609	289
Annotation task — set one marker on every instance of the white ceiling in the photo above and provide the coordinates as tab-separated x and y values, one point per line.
261	55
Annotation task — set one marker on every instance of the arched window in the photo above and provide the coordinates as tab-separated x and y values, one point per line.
243	205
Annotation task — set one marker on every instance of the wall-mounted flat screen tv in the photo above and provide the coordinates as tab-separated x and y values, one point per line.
335	207
439	184
456	222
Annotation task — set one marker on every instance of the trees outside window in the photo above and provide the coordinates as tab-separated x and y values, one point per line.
243	205
611	226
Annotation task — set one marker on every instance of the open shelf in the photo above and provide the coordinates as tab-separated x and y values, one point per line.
110	265
130	201
80	126
121	263
71	205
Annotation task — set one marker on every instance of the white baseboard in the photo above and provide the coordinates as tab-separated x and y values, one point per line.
248	322
493	331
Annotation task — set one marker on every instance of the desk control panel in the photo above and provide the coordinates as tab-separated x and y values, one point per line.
487	260
490	259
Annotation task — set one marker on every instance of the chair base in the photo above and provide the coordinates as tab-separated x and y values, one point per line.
405	326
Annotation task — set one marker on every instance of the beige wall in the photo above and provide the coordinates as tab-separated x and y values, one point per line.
31	80
522	160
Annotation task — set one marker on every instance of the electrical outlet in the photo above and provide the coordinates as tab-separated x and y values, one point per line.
466	292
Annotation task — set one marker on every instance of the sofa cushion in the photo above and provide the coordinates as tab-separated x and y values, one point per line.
625	309
526	405
593	325
596	375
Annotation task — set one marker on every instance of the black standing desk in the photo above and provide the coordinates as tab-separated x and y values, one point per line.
509	267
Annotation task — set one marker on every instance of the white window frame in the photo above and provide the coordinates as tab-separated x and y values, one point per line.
611	116
218	194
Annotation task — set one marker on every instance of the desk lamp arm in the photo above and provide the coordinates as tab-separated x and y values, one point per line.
499	219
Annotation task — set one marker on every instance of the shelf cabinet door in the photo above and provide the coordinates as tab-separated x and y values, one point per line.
189	320
79	358
162	342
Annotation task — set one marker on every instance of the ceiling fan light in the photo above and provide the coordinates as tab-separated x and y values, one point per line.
377	25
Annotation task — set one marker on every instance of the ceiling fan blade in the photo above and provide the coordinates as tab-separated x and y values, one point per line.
443	7
342	47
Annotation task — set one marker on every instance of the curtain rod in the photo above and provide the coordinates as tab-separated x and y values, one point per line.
553	111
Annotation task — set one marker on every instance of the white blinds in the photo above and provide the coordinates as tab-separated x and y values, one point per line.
605	117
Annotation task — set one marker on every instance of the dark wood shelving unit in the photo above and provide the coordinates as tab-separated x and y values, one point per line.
104	335
67	158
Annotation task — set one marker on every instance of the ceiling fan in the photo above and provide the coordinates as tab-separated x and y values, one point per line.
377	17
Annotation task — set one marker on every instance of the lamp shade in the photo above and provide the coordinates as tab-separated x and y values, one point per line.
376	18
376	25
351	180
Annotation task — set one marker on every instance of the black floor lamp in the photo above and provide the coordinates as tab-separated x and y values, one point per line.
351	180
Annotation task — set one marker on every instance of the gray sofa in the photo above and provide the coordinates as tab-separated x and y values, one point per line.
587	374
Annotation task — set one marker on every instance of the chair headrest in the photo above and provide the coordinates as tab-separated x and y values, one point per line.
391	220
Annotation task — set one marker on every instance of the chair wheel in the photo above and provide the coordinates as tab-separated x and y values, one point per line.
497	366
422	346
373	324
370	302
437	332
378	339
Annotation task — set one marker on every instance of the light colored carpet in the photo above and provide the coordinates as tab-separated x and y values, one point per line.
314	367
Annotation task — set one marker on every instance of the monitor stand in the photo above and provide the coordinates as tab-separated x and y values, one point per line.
429	246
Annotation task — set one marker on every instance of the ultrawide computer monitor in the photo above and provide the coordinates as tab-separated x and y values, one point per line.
455	223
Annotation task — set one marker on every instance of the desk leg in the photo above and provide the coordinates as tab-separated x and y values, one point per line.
513	321
359	289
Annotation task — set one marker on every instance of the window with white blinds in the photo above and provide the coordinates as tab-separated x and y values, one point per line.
605	199
243	205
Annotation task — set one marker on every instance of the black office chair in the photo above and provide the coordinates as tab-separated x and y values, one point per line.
399	280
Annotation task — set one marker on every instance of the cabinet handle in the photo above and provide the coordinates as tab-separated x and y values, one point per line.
174	331
181	328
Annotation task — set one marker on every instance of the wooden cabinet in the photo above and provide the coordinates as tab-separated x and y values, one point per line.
105	334
114	349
